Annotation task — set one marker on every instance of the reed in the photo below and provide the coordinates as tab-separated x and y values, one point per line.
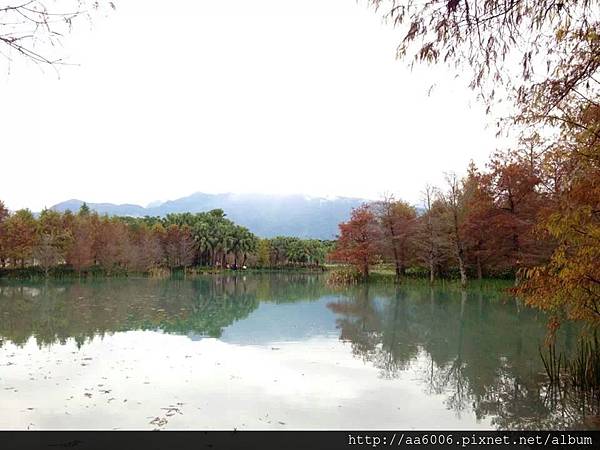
584	369
159	272
344	276
552	364
579	375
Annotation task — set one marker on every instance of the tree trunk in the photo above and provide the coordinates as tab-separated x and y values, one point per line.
366	270
396	260
396	257
463	271
459	252
398	270
479	269
431	271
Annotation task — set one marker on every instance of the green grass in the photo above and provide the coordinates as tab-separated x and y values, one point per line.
386	274
64	271
339	274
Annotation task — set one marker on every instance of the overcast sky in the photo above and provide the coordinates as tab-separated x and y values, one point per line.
273	96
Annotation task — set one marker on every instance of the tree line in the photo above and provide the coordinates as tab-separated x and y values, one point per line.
533	212
528	215
84	241
481	225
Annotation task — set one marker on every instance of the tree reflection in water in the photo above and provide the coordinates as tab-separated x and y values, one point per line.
56	311
476	348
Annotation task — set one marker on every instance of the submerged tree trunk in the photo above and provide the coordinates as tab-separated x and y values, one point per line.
431	271
461	267
395	250
460	253
396	260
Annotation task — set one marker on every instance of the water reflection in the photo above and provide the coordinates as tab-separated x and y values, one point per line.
478	349
54	312
376	356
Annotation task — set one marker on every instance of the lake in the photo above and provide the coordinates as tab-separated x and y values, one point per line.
271	351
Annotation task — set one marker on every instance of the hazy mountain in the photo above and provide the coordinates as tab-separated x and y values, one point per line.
103	208
265	215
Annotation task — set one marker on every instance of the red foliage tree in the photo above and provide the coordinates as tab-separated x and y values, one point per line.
145	249
111	244
398	222
517	202
20	237
479	207
358	240
179	246
80	254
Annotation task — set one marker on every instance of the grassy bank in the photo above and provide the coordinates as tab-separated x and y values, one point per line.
67	272
385	273
337	274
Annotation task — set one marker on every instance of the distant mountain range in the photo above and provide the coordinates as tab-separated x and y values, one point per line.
265	215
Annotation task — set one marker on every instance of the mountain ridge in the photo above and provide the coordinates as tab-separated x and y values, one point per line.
263	214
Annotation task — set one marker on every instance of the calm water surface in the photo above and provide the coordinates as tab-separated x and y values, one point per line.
269	352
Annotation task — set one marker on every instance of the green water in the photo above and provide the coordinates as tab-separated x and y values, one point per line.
271	351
